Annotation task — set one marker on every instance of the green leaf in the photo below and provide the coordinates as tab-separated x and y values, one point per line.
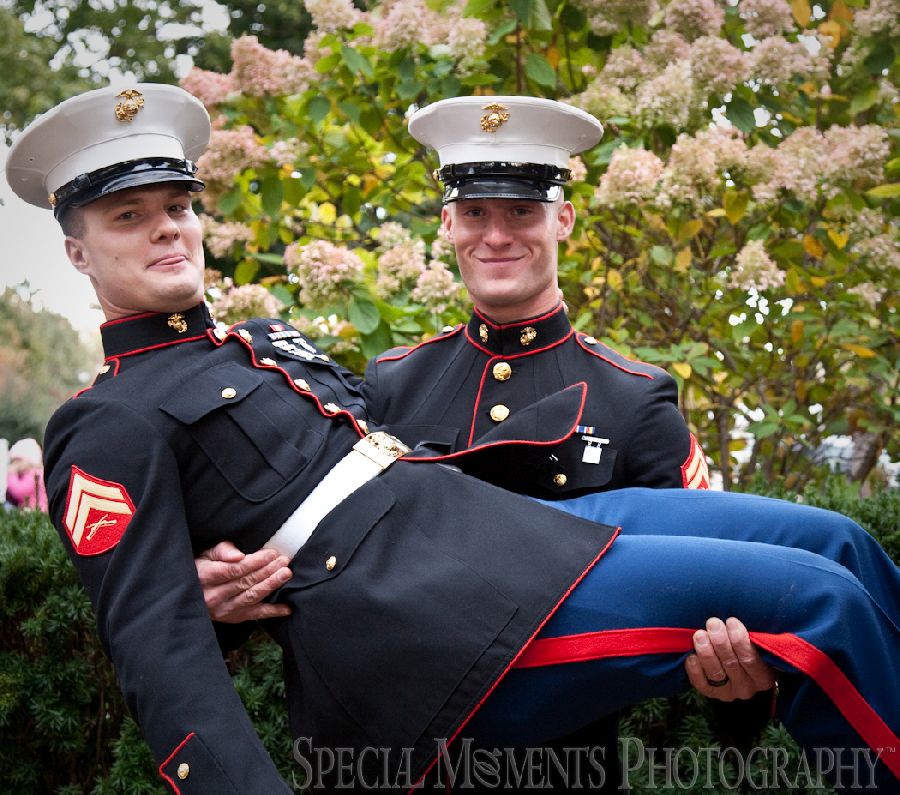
572	18
268	258
879	59
533	14
891	191
740	113
379	340
350	109
722	248
356	61
661	255
736	204
245	271
865	99
272	194
502	30
363	314
350	201
229	202
763	429
478	8
539	70
317	108
328	63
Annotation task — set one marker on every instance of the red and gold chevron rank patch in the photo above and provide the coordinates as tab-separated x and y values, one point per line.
97	513
694	472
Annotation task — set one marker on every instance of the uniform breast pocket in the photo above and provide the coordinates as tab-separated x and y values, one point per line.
256	439
584	465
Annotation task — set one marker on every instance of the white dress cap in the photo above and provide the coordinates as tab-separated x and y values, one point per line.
102	128
505	129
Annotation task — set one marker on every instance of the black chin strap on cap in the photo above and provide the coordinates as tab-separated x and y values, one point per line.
86	188
500	180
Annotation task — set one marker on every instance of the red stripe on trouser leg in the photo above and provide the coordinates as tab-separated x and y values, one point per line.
819	667
796	651
609	643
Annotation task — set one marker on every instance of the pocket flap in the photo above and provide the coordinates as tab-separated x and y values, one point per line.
211	389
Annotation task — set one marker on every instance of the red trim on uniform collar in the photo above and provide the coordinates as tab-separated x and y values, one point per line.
506	339
403	352
134	334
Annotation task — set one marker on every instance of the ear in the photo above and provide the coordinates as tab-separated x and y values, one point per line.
447	222
565	220
77	254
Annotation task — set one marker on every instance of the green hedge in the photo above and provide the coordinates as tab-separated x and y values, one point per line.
63	727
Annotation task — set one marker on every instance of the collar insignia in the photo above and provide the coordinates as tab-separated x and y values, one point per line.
483	333
178	323
528	335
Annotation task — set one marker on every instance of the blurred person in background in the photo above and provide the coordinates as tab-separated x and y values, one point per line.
25	476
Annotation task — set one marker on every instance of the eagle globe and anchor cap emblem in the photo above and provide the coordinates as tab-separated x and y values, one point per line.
130	105
497	115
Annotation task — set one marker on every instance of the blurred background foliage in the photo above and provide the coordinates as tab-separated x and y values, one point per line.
737	223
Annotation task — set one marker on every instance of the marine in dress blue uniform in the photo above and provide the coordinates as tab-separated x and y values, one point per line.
189	437
450	390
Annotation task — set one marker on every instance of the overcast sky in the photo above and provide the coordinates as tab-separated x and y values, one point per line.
33	251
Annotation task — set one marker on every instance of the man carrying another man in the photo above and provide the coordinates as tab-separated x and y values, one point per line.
189	438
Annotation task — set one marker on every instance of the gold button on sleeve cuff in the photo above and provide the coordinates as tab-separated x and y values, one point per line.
184	770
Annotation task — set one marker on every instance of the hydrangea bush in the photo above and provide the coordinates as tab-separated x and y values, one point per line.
737	223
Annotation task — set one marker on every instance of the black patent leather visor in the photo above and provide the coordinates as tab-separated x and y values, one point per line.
87	188
529	181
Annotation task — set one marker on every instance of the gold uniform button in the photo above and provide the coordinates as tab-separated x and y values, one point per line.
560	479
331	563
363	426
502	371
590	340
184	770
245	335
301	384
332	407
104	369
268	362
499	413
229	392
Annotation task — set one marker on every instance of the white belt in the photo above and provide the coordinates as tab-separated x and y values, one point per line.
369	456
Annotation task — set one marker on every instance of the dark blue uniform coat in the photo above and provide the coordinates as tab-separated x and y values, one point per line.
451	390
186	440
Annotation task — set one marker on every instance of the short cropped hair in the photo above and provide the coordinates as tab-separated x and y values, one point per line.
72	222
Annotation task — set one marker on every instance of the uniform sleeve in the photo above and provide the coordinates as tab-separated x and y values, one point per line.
117	503
369	387
662	452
